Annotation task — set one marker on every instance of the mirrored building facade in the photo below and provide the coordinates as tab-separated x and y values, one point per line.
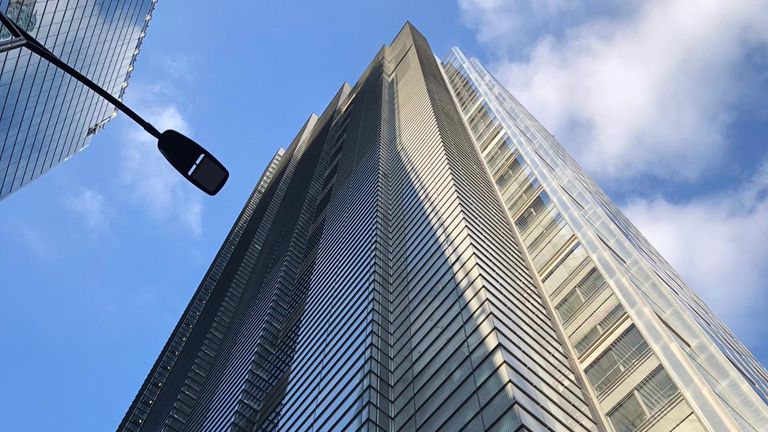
45	115
425	256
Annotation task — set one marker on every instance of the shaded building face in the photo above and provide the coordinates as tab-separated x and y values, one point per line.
424	256
45	115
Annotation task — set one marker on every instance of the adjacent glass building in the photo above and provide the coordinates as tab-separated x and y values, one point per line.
425	256
45	115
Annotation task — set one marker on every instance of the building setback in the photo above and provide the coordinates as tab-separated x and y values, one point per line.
45	115
425	256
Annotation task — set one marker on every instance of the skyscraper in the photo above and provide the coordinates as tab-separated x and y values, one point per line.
425	256
45	115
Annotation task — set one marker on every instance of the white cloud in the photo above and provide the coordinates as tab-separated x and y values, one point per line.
509	24
89	205
153	182
718	244
178	67
650	90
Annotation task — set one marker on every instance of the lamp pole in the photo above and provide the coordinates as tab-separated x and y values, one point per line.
190	159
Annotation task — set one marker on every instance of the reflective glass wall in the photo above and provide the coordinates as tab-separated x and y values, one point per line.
46	116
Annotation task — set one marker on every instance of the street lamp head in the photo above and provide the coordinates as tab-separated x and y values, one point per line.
193	162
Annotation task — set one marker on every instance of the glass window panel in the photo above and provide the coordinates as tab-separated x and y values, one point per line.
591	283
597	324
587	340
628	415
562	271
621	355
569	305
603	370
532	211
656	390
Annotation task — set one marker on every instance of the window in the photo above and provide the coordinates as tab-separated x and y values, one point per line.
603	371
529	214
569	305
628	415
656	389
509	172
584	291
622	355
601	327
524	188
643	402
591	283
587	340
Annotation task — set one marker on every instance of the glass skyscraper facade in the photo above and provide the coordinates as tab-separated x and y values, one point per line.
425	256
45	115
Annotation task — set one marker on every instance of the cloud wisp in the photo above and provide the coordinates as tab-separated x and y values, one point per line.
717	243
154	183
90	207
647	91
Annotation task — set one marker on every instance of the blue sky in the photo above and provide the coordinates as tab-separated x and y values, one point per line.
660	102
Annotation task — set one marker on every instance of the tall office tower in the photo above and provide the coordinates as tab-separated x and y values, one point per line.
424	256
45	115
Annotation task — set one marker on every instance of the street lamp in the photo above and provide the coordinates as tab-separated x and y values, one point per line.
189	158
